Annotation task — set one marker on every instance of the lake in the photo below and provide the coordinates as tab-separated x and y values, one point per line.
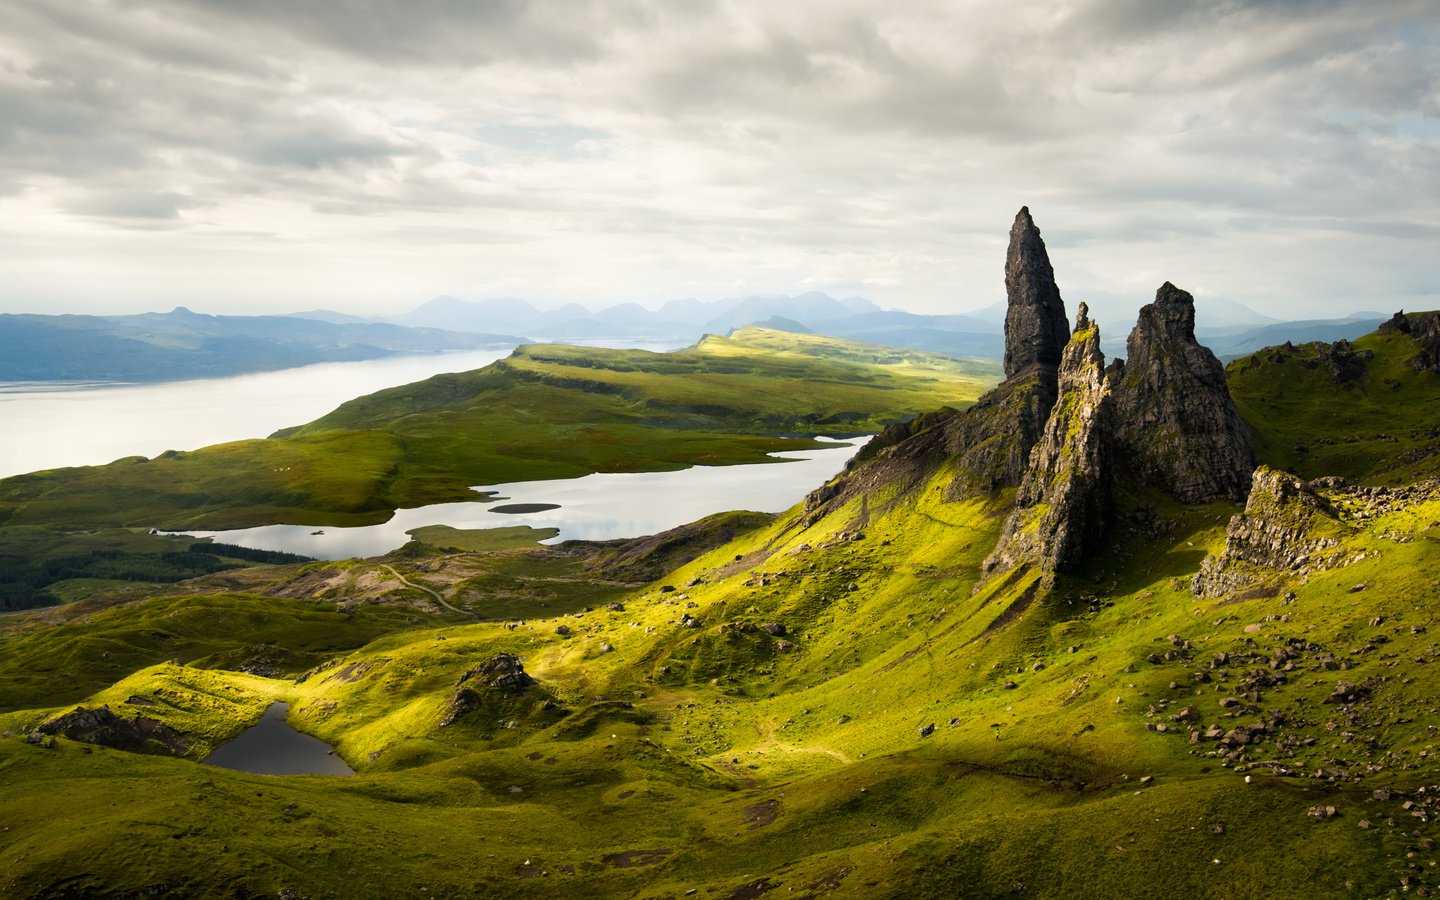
48	425
272	747
53	424
595	507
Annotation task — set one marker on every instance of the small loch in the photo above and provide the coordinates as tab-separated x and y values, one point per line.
272	747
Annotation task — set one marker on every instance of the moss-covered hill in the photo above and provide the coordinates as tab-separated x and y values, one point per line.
1366	410
825	705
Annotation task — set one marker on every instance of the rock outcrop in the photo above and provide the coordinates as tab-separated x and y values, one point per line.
1035	322
102	726
993	439
1176	427
1424	330
490	686
1286	530
1344	363
1063	504
502	671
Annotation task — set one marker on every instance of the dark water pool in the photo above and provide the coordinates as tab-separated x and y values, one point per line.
272	747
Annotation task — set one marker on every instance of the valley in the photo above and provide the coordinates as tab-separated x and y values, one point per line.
1152	628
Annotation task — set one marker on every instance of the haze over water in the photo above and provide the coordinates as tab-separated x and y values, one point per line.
50	425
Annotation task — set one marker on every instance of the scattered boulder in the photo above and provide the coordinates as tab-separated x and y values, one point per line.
774	629
1345	692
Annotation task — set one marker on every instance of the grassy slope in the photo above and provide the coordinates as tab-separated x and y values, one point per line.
546	412
799	769
1379	428
805	769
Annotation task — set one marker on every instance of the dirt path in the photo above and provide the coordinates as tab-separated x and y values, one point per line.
420	587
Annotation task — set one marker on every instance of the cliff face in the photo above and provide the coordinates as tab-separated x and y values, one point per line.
1176	427
1063	504
1035	332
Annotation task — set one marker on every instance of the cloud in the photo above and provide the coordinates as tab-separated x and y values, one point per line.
621	149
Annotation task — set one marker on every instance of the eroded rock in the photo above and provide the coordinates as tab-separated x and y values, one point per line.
1176	426
1062	505
1286	528
1035	321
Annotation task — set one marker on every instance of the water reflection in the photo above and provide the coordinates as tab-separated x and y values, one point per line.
49	425
272	747
596	507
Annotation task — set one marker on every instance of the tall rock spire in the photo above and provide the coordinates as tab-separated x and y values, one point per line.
1035	326
1175	424
1063	504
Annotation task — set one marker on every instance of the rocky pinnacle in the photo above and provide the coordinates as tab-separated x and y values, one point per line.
1063	504
1035	327
1175	424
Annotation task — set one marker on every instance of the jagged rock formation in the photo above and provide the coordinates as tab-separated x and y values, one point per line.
991	440
101	726
1424	330
1287	529
1063	504
1176	427
1035	332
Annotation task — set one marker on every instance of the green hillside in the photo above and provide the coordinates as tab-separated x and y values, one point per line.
1363	411
793	760
1227	701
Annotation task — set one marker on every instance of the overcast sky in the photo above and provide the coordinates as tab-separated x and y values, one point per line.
366	155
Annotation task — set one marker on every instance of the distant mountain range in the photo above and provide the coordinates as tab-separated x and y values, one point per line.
1226	326
181	344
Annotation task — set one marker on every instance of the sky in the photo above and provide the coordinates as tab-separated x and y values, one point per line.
365	155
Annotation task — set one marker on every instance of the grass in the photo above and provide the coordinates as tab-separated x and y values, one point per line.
1379	427
753	764
651	758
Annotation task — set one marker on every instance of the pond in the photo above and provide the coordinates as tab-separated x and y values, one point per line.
595	507
272	747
